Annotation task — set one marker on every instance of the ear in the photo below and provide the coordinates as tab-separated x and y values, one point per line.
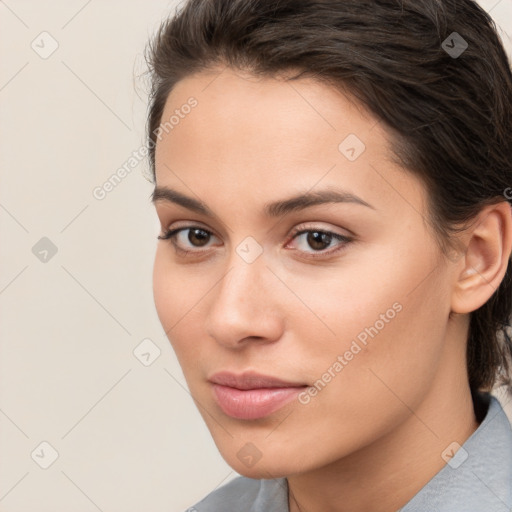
481	270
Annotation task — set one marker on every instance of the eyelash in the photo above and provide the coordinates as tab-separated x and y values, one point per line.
171	236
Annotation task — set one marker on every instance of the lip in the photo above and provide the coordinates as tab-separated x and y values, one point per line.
251	395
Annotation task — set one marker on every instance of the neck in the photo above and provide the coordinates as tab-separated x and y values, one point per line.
386	474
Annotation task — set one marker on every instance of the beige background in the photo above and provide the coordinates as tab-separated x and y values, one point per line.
128	436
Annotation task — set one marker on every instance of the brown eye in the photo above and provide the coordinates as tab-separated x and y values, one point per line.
318	240
198	237
186	240
316	243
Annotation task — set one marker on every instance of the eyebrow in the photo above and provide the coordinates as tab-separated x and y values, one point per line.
275	209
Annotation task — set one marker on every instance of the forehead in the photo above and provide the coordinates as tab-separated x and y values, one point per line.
272	111
268	134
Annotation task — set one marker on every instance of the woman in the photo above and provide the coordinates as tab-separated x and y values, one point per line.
332	180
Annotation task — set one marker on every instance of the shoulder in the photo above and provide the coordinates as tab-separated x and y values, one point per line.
242	493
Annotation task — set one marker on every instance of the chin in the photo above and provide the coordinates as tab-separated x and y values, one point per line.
268	466
262	470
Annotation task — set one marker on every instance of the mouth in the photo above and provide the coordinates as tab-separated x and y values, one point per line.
250	395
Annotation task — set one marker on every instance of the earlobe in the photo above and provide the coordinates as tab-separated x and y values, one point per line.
489	245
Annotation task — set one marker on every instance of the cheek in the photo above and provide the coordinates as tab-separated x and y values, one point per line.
176	297
385	313
390	329
164	292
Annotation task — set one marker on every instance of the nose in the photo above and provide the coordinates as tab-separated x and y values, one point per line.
244	307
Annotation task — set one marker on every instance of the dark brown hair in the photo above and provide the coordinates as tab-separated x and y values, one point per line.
449	114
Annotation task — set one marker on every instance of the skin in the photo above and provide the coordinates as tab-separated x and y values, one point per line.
375	433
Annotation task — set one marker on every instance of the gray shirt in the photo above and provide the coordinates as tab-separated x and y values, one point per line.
477	479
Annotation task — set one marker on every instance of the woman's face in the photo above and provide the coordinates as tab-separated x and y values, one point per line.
344	297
